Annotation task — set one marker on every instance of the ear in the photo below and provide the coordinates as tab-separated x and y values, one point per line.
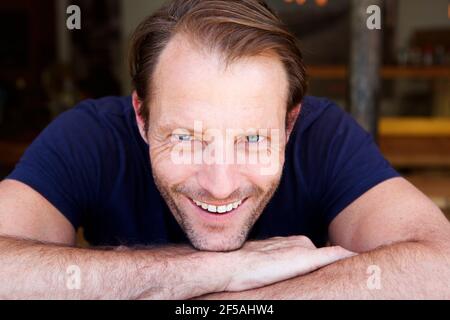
137	105
291	120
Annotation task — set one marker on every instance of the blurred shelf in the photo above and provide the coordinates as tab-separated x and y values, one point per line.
416	142
387	72
434	185
393	72
415	127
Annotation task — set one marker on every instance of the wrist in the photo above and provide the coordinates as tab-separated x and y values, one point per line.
215	270
181	273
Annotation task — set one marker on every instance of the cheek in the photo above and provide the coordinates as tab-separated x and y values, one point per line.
267	168
167	170
262	176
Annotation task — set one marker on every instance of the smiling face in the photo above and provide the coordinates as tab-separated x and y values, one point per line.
230	115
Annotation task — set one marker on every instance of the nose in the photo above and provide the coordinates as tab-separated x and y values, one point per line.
218	179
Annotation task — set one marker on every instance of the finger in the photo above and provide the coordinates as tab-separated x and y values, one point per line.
298	240
328	255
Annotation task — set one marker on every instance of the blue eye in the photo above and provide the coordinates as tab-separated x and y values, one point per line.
254	139
182	137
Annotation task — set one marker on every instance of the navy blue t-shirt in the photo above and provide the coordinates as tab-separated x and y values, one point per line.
92	164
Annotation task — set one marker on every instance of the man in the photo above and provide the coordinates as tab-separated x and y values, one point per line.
218	178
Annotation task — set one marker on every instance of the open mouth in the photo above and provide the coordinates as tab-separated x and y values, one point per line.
218	209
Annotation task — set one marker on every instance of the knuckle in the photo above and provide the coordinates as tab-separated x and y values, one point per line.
305	240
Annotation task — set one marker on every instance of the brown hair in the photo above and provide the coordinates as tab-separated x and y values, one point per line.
235	28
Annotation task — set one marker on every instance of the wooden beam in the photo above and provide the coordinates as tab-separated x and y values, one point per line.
366	52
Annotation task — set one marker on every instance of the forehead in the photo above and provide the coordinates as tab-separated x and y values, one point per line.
192	84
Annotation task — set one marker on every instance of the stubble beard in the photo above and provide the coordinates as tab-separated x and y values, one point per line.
199	242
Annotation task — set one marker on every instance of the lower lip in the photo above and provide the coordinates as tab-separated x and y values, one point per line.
217	217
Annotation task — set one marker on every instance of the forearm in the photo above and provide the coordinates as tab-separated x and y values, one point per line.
409	270
30	270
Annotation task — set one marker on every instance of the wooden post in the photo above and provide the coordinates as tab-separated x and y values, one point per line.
366	60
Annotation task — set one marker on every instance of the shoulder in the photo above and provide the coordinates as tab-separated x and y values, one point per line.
92	131
338	160
101	109
93	121
323	115
323	125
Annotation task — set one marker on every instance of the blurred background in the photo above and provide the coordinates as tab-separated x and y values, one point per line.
46	69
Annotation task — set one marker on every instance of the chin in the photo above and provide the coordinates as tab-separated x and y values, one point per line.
217	243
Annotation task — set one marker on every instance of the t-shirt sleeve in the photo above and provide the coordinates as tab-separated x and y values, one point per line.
347	162
62	164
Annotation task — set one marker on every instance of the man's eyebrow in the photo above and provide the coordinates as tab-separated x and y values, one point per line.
172	126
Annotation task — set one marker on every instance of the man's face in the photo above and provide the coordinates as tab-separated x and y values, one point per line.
217	139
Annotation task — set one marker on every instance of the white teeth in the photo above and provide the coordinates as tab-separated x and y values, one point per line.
218	209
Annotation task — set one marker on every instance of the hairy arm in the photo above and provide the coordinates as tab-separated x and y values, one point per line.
404	246
33	270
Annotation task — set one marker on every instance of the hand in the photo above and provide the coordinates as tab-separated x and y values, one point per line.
262	263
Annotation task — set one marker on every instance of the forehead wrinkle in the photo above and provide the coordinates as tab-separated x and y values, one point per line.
184	117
